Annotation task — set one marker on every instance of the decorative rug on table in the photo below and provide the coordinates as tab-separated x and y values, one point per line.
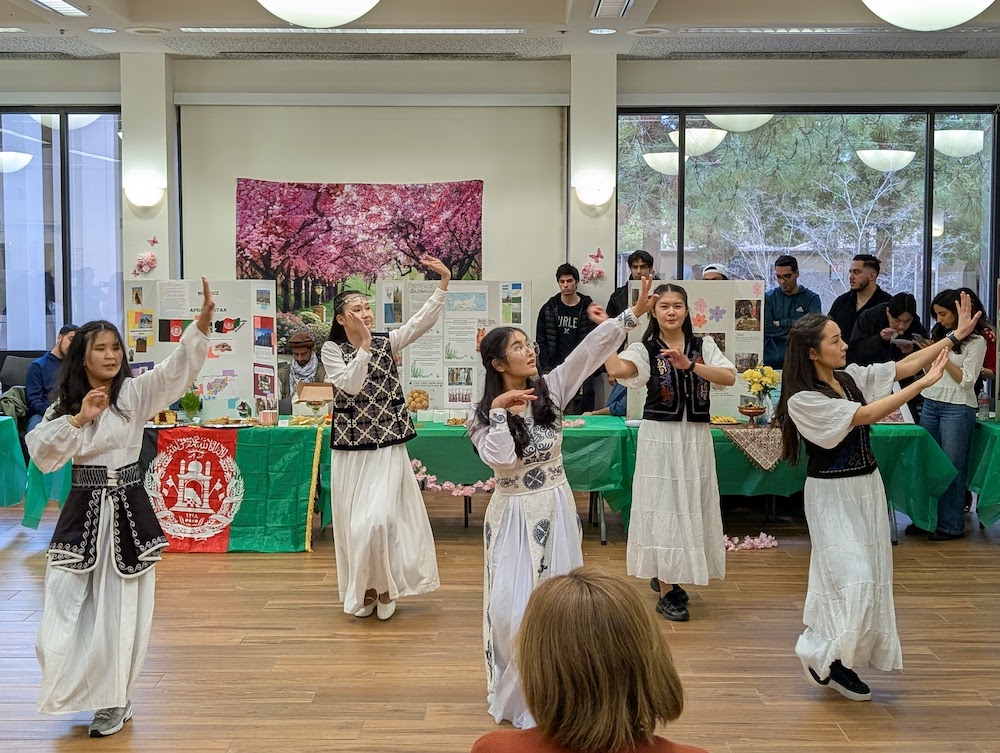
762	444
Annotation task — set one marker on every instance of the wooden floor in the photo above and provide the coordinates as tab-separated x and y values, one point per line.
252	653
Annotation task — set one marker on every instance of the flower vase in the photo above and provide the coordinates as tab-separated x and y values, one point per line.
768	409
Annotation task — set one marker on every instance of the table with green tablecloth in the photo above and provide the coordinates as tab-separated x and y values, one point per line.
984	470
13	474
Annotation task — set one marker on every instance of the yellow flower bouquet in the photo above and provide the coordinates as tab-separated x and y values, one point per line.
761	380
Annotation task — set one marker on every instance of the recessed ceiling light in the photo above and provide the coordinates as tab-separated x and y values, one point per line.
336	30
12	30
102	30
649	31
603	31
146	31
62	8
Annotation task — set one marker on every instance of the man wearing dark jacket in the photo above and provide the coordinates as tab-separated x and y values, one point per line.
640	264
864	294
42	375
562	324
784	306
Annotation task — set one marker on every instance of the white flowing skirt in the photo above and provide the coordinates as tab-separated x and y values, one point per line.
849	612
94	633
528	538
675	529
381	532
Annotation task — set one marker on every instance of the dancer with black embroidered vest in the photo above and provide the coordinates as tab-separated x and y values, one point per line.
675	529
849	613
383	539
531	528
99	579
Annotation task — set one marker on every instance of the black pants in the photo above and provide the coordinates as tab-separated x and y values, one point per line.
585	399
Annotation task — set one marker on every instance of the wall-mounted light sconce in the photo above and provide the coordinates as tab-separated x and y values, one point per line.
144	189
594	188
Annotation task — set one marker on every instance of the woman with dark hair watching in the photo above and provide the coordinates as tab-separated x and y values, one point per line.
383	539
99	579
849	614
597	673
949	411
989	333
531	529
675	532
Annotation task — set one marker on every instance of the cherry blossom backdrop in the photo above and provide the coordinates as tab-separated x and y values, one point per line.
316	239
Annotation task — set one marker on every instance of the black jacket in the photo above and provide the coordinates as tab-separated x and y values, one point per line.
547	331
844	310
866	343
618	301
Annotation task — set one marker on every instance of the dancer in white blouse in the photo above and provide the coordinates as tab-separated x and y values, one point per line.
849	613
99	580
675	529
531	529
383	539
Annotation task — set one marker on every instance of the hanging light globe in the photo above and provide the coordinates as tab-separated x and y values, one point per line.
958	143
740	123
698	141
927	15
76	120
886	160
318	14
667	163
11	162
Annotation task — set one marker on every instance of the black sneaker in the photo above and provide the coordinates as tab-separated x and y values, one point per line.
680	594
914	530
654	585
673	609
942	536
814	678
847	683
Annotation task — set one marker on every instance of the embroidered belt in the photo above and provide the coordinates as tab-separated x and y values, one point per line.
531	479
96	476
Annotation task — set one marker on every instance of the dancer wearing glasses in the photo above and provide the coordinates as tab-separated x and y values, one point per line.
531	528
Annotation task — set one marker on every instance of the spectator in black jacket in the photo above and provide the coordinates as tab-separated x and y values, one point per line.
640	264
889	333
562	325
864	294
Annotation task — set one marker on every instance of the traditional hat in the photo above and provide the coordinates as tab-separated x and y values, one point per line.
303	338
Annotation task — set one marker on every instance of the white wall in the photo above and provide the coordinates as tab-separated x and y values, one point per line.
519	154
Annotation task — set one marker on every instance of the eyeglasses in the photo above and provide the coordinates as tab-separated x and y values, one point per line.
523	349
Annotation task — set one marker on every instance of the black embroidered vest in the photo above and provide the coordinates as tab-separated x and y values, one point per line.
672	394
377	416
853	456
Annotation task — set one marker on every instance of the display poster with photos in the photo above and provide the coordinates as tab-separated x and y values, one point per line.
731	312
445	362
239	377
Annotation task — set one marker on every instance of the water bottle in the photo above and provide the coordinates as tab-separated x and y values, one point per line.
983	412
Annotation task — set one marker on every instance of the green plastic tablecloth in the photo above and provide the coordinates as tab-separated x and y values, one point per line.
984	470
914	469
599	457
13	474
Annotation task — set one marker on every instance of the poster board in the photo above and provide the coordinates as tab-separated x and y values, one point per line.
445	362
732	313
242	358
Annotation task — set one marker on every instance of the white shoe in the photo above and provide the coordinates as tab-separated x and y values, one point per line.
366	610
385	611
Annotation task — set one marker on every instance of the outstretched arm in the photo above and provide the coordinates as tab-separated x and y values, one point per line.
424	319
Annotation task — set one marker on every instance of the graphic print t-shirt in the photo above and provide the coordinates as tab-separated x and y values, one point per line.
567	329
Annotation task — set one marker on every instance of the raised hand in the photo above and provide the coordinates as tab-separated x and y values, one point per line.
357	329
513	398
936	369
207	308
94	403
596	313
435	264
646	301
677	358
966	319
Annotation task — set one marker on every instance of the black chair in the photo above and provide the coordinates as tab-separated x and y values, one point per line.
14	371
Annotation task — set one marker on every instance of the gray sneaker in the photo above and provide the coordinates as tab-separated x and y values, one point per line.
109	721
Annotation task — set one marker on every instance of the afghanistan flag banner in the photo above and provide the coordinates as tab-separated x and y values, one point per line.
226	490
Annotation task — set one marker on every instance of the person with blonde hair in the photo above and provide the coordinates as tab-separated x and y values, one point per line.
596	671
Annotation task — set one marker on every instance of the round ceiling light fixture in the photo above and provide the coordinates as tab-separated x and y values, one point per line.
649	31
698	141
318	14
75	120
740	123
958	143
886	160
11	162
927	15
603	31
667	163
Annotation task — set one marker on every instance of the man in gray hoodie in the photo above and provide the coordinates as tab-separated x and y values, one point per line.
784	306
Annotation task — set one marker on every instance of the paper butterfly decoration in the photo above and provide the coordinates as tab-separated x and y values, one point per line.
598	256
152	241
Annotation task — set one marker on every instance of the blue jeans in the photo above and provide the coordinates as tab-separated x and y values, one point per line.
951	426
33	422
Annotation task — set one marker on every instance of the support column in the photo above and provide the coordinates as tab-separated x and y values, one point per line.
149	161
593	150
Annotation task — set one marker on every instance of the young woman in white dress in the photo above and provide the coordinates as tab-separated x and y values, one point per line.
849	613
531	529
99	579
383	539
675	528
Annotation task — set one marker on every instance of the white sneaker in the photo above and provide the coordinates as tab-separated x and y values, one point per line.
109	721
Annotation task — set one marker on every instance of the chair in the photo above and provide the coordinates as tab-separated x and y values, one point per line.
14	371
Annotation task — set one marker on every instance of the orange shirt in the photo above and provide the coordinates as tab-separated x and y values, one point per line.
531	741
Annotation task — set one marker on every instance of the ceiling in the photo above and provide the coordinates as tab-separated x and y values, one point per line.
552	29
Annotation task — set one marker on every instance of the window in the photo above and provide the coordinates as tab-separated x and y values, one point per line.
60	226
819	186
